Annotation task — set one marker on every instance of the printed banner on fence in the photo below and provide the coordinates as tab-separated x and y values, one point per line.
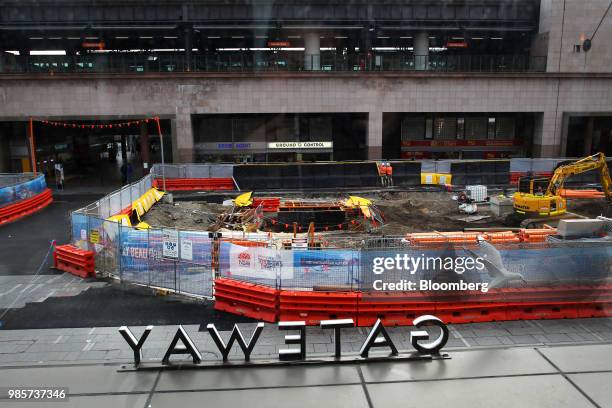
18	192
259	262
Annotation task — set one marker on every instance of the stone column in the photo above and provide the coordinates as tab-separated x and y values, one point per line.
375	127
421	51
145	153
312	52
188	37
547	136
182	139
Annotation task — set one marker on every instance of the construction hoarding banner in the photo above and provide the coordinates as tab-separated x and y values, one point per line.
22	191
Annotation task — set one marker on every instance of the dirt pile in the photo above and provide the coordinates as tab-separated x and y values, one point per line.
184	214
426	212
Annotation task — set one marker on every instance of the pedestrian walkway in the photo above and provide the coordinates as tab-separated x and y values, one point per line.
560	376
105	344
18	290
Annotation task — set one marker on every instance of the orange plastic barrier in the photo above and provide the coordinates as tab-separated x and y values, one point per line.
79	262
592	193
269	204
246	299
245	242
195	184
25	207
312	307
439	238
401	308
536	235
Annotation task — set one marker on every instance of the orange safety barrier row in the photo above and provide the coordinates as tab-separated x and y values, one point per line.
591	193
246	299
463	238
204	184
312	307
245	242
269	204
437	238
79	262
401	308
25	207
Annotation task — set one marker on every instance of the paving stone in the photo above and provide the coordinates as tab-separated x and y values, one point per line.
558	338
524	339
487	341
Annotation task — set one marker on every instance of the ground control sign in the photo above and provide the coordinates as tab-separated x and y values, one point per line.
377	338
300	145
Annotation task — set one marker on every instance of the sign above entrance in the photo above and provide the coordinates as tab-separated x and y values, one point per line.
300	145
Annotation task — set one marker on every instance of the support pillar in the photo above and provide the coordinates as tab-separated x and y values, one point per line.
375	127
547	136
421	51
188	37
588	136
312	52
145	154
182	139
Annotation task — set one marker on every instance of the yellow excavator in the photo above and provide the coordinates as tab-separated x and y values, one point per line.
539	200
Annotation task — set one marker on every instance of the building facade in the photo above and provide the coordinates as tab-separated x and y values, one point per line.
299	80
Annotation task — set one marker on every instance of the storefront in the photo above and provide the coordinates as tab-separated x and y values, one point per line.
283	137
253	152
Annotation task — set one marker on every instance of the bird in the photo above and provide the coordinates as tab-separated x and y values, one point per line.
493	262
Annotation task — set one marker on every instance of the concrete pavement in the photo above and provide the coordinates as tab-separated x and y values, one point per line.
556	376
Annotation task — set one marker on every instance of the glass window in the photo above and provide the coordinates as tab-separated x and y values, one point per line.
445	128
476	128
460	128
413	128
504	129
491	129
428	127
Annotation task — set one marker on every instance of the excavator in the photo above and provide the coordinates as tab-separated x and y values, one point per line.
539	200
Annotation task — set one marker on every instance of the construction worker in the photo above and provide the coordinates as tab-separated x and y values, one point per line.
382	173
389	172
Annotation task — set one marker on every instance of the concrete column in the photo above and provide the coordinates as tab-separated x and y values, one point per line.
421	51
145	153
182	139
375	127
588	135
547	136
188	36
312	52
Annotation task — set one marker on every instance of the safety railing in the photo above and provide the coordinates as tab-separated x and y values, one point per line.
265	61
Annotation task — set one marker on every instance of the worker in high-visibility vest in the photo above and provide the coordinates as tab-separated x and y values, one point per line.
382	172
389	172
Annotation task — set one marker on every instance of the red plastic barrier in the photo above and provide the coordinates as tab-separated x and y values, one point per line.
401	308
246	299
269	204
25	207
79	262
312	307
203	184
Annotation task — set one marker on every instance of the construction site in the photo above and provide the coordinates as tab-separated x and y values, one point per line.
363	245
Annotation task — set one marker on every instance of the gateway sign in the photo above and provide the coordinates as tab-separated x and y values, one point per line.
377	338
300	145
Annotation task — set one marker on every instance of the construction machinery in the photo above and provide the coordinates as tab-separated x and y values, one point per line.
539	200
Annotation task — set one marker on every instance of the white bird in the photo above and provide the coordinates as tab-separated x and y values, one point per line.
495	267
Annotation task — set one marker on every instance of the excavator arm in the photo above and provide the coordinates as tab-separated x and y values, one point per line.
594	162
